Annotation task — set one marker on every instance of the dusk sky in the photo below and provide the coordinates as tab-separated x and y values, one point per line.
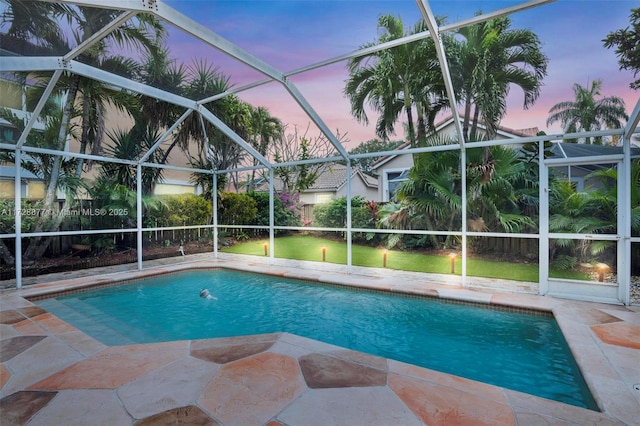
290	34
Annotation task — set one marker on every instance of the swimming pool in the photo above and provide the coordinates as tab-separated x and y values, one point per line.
519	351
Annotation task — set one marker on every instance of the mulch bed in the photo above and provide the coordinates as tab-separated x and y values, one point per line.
79	260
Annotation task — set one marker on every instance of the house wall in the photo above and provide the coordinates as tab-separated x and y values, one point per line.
31	190
359	188
10	95
317	197
173	188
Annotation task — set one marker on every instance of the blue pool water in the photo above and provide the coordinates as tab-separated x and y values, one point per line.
517	351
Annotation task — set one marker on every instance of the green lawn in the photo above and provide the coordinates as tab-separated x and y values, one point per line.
304	247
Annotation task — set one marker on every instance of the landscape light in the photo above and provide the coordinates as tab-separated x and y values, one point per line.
324	253
266	248
452	256
602	267
384	258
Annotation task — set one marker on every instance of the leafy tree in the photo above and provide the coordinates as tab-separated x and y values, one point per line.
586	113
120	203
299	147
236	209
8	224
50	168
627	42
374	145
334	215
286	210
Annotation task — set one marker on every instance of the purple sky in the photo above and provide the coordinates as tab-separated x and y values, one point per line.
290	34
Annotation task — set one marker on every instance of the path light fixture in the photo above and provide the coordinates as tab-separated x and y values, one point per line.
324	253
602	268
384	258
452	256
266	248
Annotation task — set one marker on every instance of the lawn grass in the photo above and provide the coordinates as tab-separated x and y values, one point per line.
306	247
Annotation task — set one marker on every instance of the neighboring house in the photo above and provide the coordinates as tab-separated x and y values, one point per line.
392	170
11	97
331	184
577	173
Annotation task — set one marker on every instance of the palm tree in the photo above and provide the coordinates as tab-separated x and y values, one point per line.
158	70
131	145
32	27
432	195
42	166
264	129
592	211
390	79
586	113
142	33
490	59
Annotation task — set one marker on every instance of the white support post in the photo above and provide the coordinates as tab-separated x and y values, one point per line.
18	217
543	226
624	224
139	215
349	225
214	195
271	217
463	189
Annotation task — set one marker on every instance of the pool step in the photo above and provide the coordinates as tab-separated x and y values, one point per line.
82	315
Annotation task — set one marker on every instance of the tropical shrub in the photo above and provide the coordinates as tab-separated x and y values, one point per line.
286	210
591	211
237	209
501	195
334	215
184	209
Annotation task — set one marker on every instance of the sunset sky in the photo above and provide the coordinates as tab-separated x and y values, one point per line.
290	34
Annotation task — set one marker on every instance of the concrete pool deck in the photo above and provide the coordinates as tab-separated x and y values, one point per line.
51	373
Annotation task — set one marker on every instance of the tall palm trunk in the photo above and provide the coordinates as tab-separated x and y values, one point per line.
422	126
465	122
39	245
86	110
407	106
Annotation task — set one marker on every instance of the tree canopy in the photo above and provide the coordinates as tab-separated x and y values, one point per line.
627	42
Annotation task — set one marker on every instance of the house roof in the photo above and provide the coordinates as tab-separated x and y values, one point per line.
502	131
9	172
332	177
573	150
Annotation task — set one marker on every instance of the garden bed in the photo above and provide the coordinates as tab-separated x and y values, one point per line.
84	259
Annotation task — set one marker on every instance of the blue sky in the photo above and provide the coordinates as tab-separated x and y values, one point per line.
290	34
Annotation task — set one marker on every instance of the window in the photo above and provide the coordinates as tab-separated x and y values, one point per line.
392	180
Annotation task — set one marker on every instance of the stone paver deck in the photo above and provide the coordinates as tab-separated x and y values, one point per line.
53	374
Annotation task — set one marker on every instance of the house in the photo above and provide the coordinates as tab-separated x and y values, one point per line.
330	184
393	169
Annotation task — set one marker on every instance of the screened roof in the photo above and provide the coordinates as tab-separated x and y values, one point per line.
291	56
